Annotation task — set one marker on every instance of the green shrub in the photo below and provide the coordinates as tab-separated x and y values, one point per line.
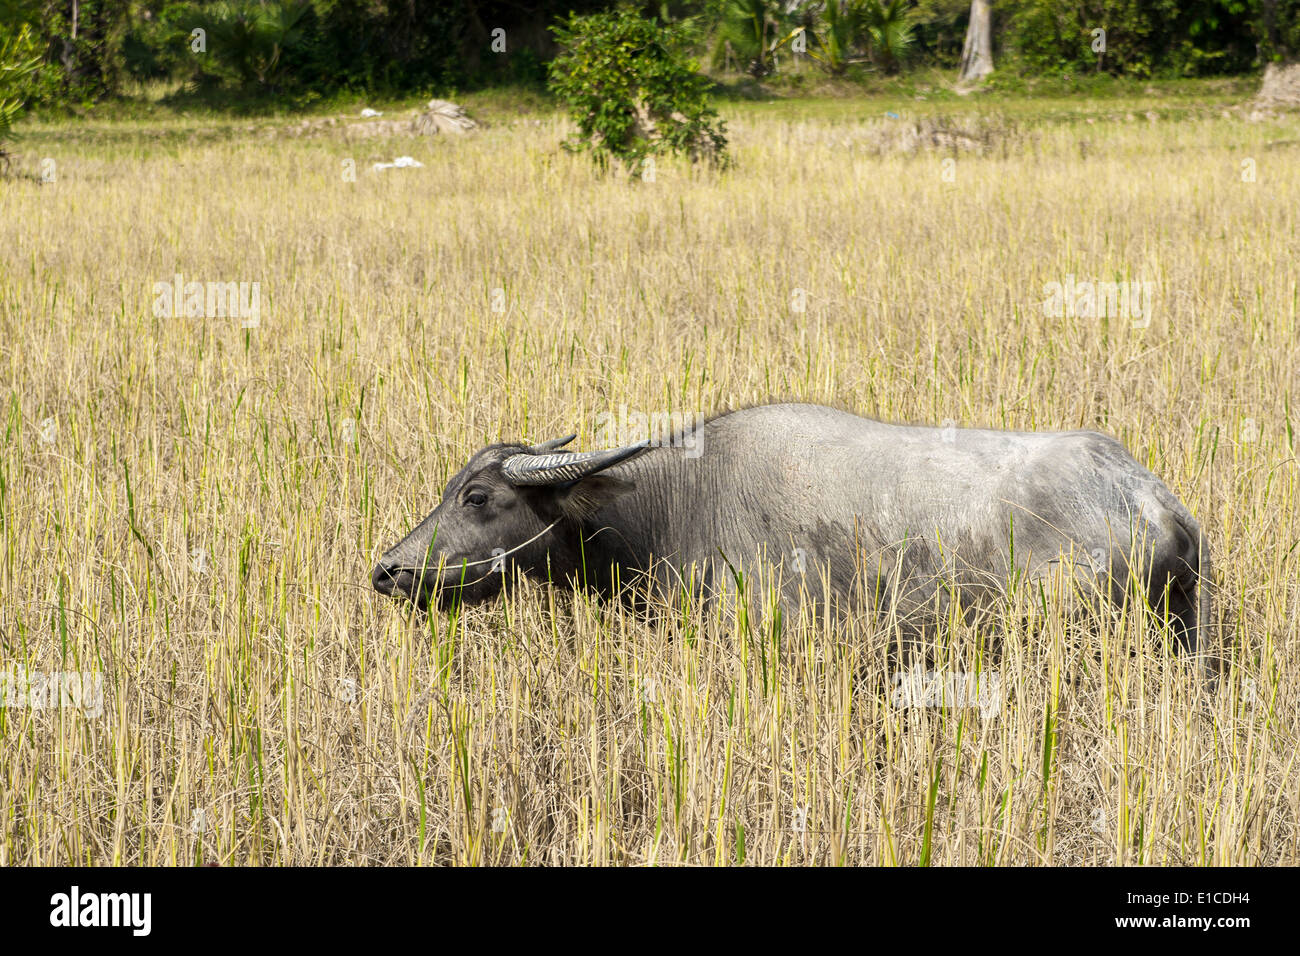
1154	38
1278	27
633	90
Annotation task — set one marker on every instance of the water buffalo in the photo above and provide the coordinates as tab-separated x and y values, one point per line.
847	508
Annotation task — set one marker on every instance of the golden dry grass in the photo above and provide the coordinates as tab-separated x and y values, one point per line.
263	706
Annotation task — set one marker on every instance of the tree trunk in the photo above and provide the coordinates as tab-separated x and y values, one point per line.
1280	88
977	52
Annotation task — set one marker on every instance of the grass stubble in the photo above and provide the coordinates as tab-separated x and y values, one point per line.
199	520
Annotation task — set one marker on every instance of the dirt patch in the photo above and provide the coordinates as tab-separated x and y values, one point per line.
940	133
439	117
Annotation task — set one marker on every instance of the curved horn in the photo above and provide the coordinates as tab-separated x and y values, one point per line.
553	444
564	467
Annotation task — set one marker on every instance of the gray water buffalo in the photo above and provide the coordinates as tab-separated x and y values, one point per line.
843	508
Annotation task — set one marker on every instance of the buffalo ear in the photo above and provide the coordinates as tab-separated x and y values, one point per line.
582	499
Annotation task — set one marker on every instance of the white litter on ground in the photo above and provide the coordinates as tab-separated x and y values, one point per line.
369	112
401	162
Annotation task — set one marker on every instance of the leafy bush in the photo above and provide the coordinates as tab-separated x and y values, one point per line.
72	70
631	87
1159	37
1278	27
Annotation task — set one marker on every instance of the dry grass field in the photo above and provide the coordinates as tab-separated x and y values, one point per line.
190	508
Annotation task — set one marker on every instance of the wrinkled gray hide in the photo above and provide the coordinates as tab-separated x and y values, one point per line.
889	517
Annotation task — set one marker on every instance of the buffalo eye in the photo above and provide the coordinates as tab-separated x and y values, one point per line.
476	499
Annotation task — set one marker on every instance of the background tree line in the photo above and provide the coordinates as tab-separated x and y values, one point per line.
67	52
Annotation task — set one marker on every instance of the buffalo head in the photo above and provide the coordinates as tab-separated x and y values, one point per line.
512	508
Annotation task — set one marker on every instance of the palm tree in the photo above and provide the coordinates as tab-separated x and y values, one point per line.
250	38
17	61
757	29
889	30
749	26
838	37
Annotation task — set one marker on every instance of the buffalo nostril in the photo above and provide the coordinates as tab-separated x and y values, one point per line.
395	581
382	579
